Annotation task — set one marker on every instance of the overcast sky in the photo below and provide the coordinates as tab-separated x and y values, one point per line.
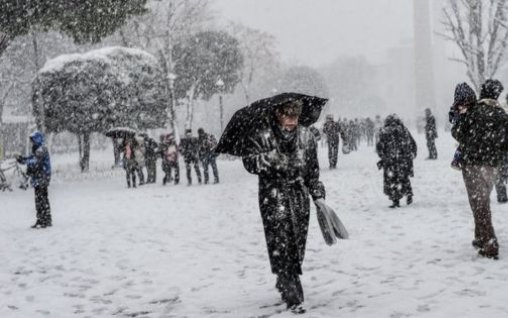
315	32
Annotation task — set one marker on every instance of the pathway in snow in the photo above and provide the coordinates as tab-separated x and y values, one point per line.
199	251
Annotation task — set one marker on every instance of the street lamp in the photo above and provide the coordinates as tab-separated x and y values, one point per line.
220	85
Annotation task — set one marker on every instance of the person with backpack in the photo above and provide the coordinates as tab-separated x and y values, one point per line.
481	129
207	144
396	149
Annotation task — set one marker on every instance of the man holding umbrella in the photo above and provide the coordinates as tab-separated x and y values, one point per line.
281	150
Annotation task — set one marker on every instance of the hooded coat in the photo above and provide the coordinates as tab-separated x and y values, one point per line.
397	149
284	193
481	132
38	163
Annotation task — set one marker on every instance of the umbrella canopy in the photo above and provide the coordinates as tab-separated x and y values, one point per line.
121	132
250	119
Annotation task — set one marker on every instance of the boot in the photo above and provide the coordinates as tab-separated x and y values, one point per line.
37	225
490	250
409	199
477	243
395	204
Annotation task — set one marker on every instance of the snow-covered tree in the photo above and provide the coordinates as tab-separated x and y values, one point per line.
480	30
83	20
98	90
166	23
305	80
200	62
259	54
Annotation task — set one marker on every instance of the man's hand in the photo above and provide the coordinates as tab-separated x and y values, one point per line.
273	160
19	158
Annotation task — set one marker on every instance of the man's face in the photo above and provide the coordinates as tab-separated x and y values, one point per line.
287	121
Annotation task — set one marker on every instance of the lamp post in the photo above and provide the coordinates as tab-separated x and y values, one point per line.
220	85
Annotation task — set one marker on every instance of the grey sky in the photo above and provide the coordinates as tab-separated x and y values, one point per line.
315	32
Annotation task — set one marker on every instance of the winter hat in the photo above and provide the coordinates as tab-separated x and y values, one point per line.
464	95
492	88
201	131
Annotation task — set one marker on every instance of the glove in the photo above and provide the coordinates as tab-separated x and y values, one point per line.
380	164
273	160
19	158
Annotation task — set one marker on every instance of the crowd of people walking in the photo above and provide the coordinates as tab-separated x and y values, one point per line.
140	152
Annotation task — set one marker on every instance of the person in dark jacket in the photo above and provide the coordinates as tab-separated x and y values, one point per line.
332	130
151	151
397	149
39	169
207	143
489	93
481	131
431	134
189	147
288	172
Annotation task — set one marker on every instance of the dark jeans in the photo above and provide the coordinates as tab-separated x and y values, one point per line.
151	170
167	166
479	181
188	163
431	145
42	206
333	150
207	160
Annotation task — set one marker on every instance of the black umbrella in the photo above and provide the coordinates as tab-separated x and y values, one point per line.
250	119
121	132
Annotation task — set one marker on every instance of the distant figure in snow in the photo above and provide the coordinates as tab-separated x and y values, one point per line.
481	130
397	149
207	143
169	154
189	147
332	130
370	131
139	156
39	170
130	164
288	171
431	134
151	151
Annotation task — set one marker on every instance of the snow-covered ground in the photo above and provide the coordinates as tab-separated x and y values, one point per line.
199	251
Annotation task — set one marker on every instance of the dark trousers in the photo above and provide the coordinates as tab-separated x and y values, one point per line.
188	163
42	206
167	166
207	160
333	151
479	181
131	169
151	170
431	145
